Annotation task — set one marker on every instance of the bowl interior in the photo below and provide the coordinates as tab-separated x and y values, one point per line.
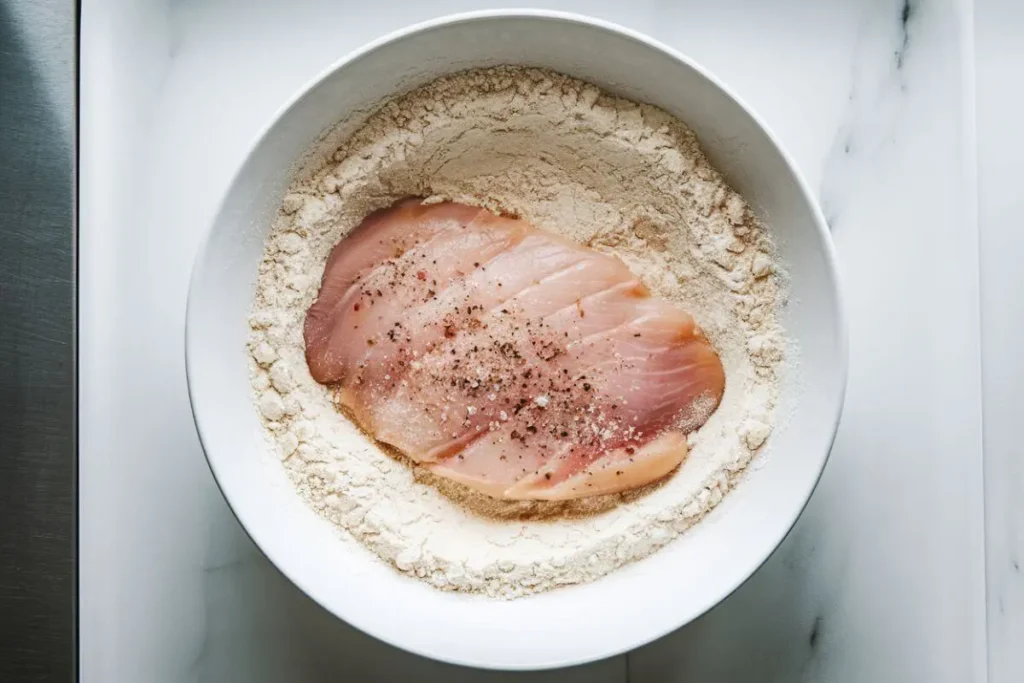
632	605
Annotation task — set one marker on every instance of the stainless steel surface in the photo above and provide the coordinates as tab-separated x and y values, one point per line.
37	357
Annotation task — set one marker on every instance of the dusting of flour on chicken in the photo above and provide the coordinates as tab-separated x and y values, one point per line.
439	326
619	177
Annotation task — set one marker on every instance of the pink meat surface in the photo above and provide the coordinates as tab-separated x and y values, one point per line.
506	358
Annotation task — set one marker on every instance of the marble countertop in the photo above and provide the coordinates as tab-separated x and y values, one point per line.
891	574
1000	110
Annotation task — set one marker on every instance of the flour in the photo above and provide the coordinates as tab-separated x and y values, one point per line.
623	178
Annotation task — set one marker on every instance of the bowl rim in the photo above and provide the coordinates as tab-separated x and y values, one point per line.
819	219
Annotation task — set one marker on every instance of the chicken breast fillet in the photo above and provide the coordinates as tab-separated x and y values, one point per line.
506	358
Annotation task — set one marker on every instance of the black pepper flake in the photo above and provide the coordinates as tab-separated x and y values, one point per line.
515	434
637	334
370	342
531	429
586	386
630	450
547	475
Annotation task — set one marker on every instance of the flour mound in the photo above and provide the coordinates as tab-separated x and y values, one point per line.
621	177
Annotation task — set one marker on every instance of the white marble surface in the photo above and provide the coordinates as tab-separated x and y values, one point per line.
1000	113
883	579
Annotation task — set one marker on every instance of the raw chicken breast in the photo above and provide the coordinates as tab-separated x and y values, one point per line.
518	363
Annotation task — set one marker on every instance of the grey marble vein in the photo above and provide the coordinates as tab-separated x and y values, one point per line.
907	12
877	81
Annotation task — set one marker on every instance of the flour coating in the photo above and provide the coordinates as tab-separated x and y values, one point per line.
620	177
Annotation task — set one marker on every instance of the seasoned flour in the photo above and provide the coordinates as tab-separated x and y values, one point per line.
623	178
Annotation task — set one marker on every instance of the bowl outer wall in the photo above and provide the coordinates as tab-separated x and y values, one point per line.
639	602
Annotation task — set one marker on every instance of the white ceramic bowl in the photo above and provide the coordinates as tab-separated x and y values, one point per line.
634	604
